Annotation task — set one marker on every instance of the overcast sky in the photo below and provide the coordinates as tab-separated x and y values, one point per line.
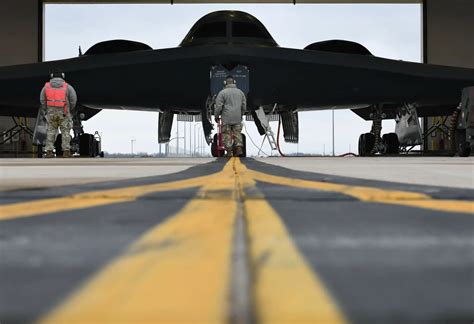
390	31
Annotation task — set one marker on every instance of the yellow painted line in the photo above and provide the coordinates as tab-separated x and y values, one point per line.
91	199
286	290
375	195
177	272
120	195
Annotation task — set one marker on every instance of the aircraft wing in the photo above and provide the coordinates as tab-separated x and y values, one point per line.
179	78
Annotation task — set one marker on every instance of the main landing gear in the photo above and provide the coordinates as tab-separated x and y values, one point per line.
83	144
86	145
372	143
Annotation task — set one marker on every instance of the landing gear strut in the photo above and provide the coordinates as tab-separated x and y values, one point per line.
372	143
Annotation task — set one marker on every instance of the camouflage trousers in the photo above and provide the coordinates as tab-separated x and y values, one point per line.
230	132
56	119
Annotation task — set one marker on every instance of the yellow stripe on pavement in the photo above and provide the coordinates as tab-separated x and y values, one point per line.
92	199
369	194
177	272
286	290
120	195
180	270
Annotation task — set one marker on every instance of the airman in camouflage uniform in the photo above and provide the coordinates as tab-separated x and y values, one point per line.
231	104
58	115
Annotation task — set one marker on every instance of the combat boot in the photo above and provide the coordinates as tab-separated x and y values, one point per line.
49	154
238	151
67	154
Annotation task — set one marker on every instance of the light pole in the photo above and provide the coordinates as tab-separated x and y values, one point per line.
202	144
177	140
190	138
177	136
195	138
199	141
200	132
131	145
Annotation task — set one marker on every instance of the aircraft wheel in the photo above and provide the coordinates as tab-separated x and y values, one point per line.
366	144
463	147
86	145
391	144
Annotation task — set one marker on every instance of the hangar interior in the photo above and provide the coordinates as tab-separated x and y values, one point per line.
446	24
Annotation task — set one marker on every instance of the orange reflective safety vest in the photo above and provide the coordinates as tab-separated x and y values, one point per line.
56	97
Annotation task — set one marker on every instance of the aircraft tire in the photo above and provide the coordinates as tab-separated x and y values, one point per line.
463	147
86	145
391	143
366	144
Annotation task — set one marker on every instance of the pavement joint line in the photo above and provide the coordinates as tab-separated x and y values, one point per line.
241	301
128	194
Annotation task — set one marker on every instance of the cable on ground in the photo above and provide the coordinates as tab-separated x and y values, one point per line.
251	140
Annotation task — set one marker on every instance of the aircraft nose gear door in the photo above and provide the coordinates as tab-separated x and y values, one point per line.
218	74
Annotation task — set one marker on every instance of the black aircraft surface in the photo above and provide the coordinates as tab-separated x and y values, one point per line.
324	75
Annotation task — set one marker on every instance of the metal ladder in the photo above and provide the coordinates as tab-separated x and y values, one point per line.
269	135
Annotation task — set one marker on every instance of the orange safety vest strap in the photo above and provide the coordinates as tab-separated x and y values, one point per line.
56	97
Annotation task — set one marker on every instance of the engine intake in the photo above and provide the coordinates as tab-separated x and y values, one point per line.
339	46
116	46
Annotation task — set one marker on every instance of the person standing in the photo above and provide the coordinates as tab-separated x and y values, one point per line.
57	99
231	104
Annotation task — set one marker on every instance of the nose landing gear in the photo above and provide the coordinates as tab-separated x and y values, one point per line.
371	143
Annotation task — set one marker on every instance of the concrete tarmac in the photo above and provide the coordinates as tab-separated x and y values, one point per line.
33	173
435	171
300	240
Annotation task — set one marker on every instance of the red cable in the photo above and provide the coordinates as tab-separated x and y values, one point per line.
278	137
347	154
283	155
